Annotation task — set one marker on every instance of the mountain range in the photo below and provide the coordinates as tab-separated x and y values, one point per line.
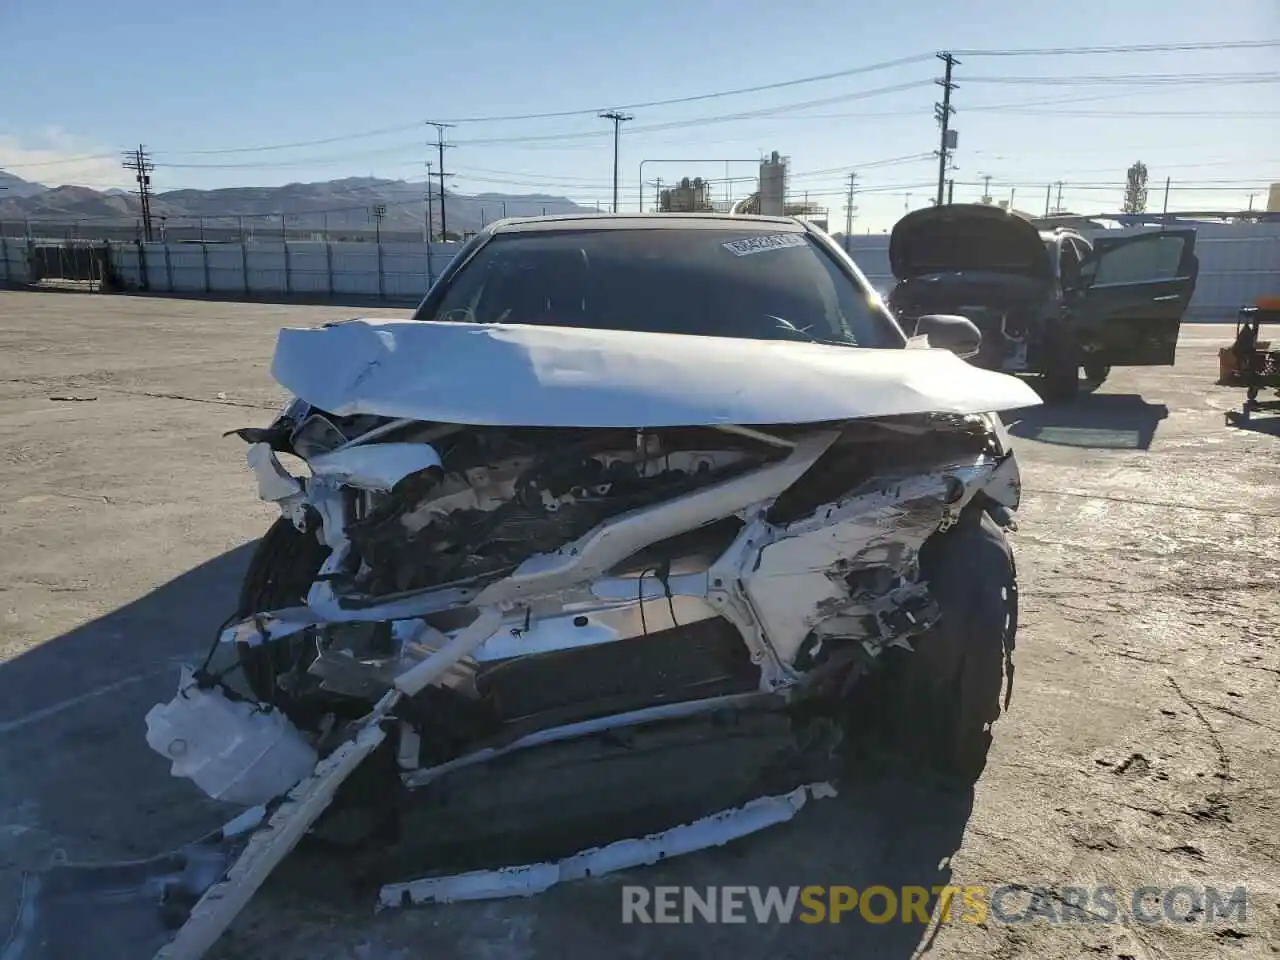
336	205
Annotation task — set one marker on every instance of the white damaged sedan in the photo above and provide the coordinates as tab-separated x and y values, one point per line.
603	557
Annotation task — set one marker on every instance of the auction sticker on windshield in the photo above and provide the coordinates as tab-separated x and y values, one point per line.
774	241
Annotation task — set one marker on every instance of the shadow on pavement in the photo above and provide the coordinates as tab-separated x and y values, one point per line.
78	779
1110	421
1265	422
71	722
886	832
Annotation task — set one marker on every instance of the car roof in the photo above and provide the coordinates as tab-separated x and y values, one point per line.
650	221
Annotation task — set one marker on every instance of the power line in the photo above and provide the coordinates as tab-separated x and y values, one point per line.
1136	79
365	134
741	91
760	88
870	164
61	160
1123	48
1154	114
705	120
561	114
466	171
562	136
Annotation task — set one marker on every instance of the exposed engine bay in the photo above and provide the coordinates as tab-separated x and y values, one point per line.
1008	309
606	605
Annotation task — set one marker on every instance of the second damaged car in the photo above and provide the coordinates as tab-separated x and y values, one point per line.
601	558
1047	302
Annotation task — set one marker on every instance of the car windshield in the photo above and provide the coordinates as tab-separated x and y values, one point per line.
731	282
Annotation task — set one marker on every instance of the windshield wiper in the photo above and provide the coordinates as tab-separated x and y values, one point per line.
789	327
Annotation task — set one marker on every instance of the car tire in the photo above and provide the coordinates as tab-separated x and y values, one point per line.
1096	372
1060	370
1060	380
281	571
283	567
933	708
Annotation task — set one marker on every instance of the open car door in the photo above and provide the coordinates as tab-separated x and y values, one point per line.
1133	294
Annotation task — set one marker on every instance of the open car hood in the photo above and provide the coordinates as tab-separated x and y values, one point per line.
537	376
966	236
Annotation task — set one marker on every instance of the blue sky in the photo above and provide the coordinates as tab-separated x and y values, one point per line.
190	78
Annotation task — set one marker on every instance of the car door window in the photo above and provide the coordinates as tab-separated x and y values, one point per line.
1150	259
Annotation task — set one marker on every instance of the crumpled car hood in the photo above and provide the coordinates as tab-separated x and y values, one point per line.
537	376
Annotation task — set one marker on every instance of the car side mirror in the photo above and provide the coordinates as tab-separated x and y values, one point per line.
948	331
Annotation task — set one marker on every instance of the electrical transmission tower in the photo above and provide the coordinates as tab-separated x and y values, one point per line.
139	161
849	208
440	146
942	113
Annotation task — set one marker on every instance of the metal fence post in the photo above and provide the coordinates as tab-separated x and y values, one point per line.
204	255
431	279
168	265
381	281
4	255
244	263
284	242
328	262
144	275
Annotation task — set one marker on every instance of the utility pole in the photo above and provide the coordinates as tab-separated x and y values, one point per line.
1058	208
618	120
1048	198
951	190
986	187
942	113
440	145
1167	181
848	206
1251	196
379	212
139	161
429	205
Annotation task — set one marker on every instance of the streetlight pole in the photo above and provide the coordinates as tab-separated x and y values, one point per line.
618	119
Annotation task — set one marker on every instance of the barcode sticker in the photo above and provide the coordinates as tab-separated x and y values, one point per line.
773	241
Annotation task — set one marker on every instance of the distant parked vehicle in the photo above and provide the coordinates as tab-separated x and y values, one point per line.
1047	302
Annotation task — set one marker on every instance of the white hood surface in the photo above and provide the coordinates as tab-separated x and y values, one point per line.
540	376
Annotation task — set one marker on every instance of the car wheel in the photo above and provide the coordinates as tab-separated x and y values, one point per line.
1060	380
1096	372
284	566
933	708
1060	368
